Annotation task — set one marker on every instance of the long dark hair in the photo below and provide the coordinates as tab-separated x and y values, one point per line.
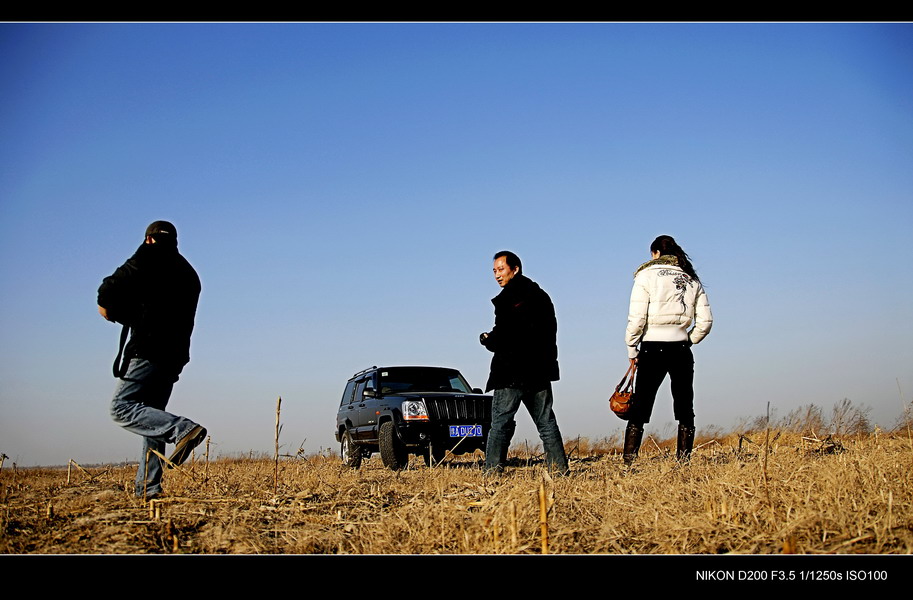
666	244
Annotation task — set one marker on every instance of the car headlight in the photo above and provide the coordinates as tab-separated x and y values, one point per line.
415	410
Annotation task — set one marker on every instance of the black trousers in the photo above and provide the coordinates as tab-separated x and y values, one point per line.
654	361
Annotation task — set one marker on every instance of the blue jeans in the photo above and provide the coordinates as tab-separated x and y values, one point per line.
139	407
538	402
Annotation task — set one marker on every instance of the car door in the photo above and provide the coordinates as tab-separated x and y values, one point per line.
348	410
366	407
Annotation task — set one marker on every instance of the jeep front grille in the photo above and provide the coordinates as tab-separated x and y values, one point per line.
467	409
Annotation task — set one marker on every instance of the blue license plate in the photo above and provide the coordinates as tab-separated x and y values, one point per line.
462	431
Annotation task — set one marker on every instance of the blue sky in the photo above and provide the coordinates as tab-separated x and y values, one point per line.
341	189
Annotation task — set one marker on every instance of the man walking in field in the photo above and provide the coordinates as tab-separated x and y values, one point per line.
524	364
154	295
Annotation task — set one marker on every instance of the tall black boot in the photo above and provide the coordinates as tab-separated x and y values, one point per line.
685	442
634	433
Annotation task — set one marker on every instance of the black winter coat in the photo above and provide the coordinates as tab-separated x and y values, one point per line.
523	338
155	292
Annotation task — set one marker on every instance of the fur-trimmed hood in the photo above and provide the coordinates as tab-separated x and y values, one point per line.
665	260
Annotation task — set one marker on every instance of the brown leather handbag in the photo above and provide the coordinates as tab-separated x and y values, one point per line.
620	402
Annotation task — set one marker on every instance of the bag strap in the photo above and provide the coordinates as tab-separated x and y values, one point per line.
632	370
120	369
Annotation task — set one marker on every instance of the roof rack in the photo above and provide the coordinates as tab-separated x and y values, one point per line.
363	371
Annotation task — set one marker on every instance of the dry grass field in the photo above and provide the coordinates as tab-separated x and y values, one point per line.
752	493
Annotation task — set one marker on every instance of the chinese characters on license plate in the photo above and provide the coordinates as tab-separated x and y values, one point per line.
465	431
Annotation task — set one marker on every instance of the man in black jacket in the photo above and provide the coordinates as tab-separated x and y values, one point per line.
154	295
524	364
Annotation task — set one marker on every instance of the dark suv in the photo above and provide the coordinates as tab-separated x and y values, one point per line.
399	411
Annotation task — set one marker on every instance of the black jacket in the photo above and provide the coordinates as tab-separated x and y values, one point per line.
523	338
155	293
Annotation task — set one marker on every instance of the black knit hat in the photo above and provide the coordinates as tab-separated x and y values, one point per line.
162	231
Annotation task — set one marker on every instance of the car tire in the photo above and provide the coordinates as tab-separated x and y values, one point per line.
392	451
434	455
351	454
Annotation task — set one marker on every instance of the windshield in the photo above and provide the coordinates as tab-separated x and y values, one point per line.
422	379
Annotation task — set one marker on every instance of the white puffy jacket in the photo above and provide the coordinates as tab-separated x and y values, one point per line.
664	302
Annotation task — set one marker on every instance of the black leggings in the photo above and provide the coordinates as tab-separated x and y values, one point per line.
653	362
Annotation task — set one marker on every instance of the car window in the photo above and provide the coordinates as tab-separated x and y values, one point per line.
347	395
409	379
458	384
359	391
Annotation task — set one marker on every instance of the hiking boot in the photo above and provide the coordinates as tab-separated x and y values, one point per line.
186	445
634	433
685	443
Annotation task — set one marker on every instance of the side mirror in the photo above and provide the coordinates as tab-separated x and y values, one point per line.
477	391
369	393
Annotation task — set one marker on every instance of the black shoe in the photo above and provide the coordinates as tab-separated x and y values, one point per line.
495	471
185	445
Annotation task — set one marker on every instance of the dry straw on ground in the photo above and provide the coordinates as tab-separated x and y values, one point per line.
832	495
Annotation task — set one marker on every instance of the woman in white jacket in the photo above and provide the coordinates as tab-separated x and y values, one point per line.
667	298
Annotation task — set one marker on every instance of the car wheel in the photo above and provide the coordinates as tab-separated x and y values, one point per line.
392	451
351	454
434	455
